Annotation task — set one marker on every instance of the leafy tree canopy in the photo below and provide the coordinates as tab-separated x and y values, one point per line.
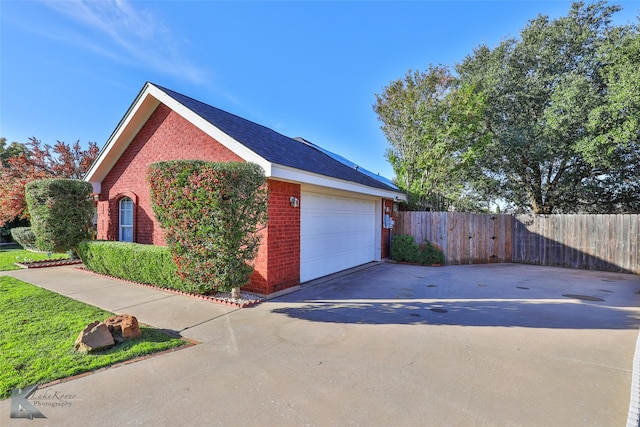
549	121
23	163
428	119
12	150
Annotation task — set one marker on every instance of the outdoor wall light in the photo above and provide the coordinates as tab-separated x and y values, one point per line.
294	201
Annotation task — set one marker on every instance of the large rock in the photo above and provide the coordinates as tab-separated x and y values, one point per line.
123	327
94	337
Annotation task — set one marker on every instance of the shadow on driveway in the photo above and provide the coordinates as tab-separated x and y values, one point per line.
506	295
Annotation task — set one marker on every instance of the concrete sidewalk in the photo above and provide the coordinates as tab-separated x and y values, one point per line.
500	344
155	307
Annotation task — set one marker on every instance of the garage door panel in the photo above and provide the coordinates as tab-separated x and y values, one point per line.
336	233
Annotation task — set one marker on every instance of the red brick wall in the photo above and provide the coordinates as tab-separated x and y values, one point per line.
168	136
387	208
165	136
280	257
284	236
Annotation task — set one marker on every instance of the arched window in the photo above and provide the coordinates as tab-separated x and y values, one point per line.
126	220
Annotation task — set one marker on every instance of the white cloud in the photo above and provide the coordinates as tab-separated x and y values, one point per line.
134	35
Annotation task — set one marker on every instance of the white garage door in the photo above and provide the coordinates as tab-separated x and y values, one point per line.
336	233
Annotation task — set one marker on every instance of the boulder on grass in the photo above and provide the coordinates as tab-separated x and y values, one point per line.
123	327
95	337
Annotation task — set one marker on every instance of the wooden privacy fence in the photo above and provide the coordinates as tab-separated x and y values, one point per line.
464	238
596	242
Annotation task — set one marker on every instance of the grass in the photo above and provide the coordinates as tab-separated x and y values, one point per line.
8	258
38	329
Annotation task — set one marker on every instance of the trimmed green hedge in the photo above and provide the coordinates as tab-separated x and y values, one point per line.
133	261
405	249
25	237
61	212
211	214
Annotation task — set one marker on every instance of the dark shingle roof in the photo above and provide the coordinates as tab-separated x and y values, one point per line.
277	148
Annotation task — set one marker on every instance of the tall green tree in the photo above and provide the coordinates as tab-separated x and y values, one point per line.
429	122
552	103
616	124
8	151
548	121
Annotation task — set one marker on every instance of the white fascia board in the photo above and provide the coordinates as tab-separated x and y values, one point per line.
137	115
287	173
144	105
241	150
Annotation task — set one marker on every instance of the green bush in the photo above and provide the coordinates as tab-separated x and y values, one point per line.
210	214
430	254
5	230
405	249
61	212
133	261
5	235
25	237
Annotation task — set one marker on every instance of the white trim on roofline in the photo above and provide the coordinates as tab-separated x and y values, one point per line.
136	116
288	173
142	108
146	103
211	130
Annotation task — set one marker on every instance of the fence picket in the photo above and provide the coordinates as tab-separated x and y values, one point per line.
596	242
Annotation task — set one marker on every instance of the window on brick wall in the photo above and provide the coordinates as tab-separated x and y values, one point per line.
125	233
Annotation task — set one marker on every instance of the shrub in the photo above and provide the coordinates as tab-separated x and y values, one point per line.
61	212
5	235
5	230
430	254
405	249
133	261
25	237
211	214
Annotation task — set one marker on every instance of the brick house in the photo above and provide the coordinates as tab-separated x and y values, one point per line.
325	213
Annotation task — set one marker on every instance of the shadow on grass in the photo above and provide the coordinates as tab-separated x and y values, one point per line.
149	335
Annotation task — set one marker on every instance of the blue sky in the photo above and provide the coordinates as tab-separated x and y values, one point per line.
69	70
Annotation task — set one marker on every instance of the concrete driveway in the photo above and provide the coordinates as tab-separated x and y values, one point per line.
500	344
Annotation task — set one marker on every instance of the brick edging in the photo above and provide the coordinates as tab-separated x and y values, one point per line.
178	292
48	263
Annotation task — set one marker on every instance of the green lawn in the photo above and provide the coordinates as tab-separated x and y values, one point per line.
38	329
10	256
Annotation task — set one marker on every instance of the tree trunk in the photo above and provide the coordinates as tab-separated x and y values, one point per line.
540	209
235	293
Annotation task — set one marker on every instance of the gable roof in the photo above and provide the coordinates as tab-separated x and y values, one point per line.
281	156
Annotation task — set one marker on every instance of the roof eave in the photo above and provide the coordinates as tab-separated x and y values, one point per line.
201	123
288	173
137	115
139	111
